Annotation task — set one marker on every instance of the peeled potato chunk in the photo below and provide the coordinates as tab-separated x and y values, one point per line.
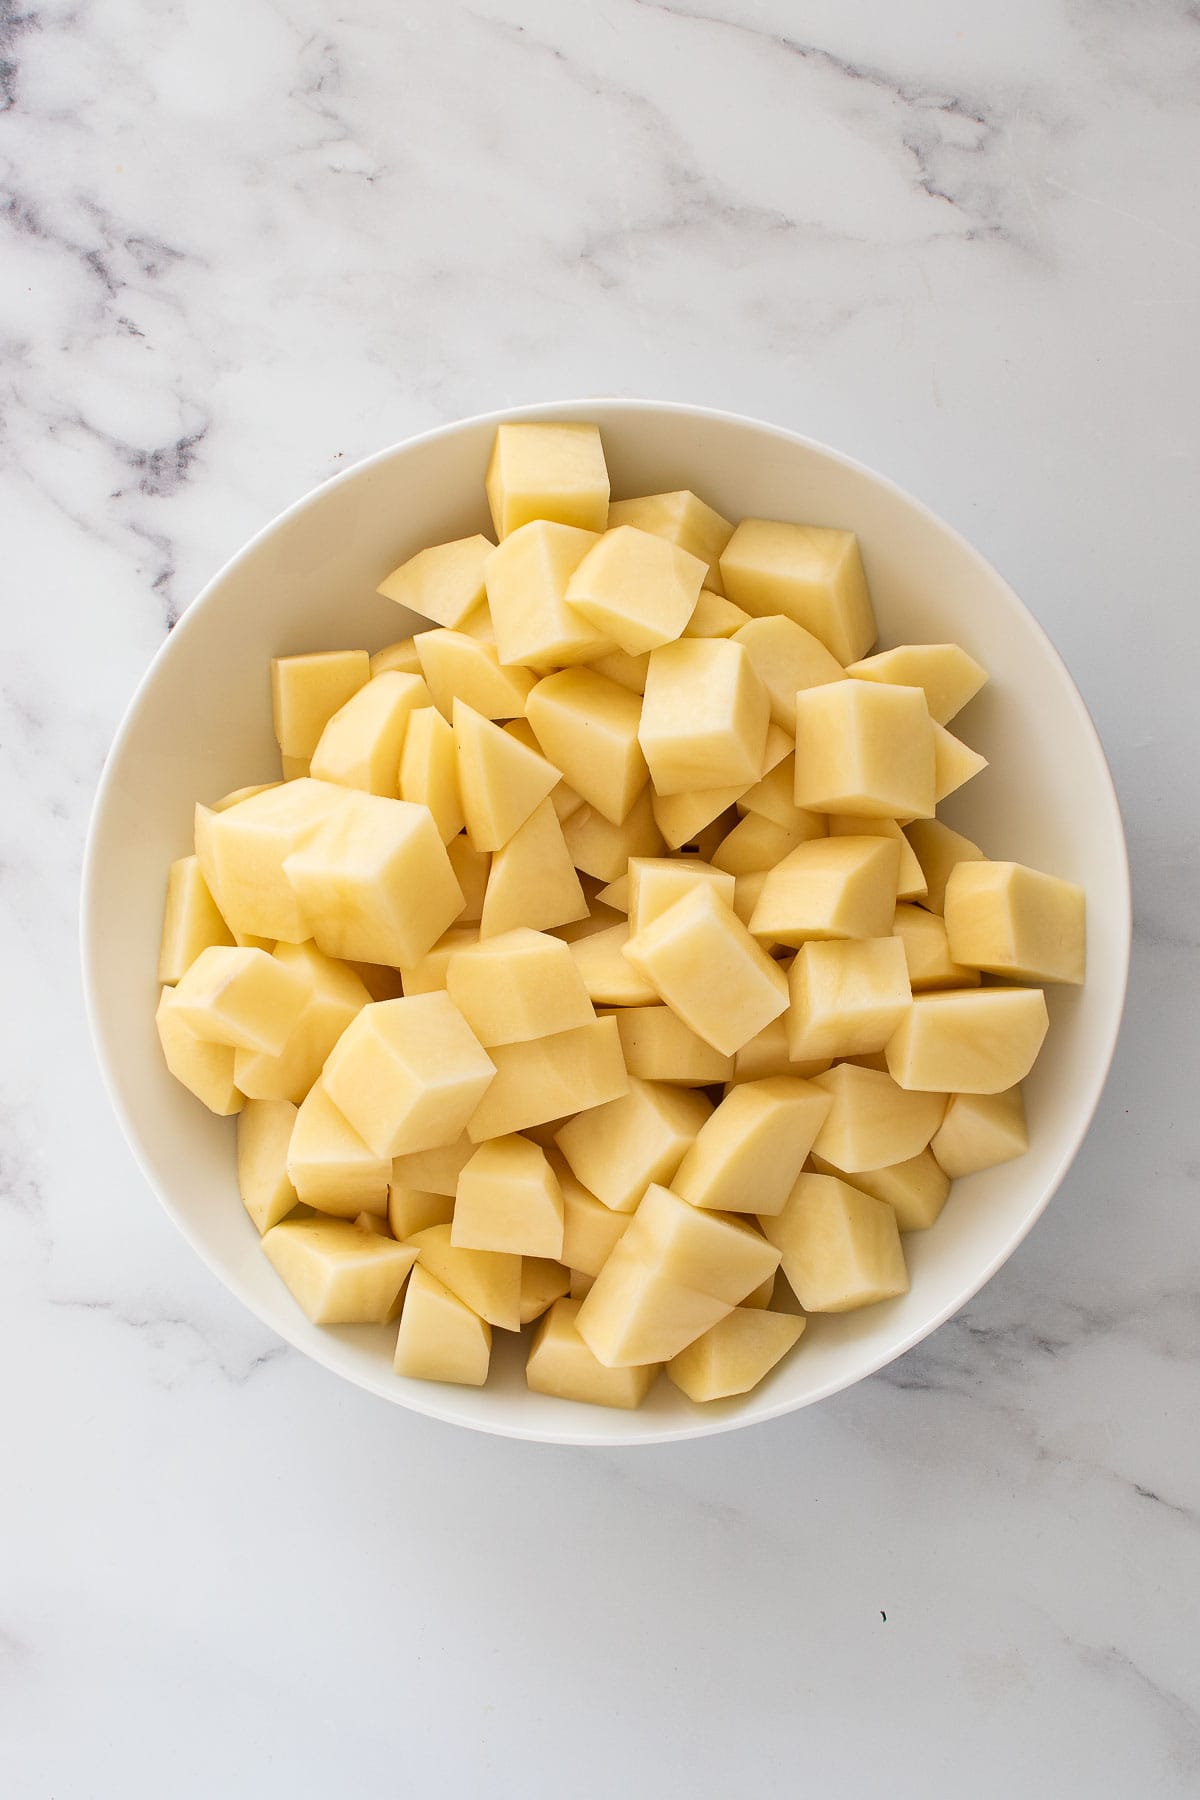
864	748
330	1166
527	596
532	881
429	771
840	1247
360	746
872	1122
410	1210
683	818
488	1281
243	998
560	1364
242	853
471	871
980	1041
550	1078
656	882
590	1229
635	1313
910	880
333	995
264	1131
979	1131
927	951
939	851
619	1149
306	691
760	843
771	798
636	588
547	471
339	1273
500	781
848	997
658	1046
509	1199
401	656
607	974
191	921
683	519
543	1281
587	726
715	617
704	716
768	1054
443	583
1015	921
706	966
811	573
735	1354
205	1069
430	972
523	984
458	666
710	1252
438	1170
916	1190
745	1158
440	1337
786	658
408	1074
843	887
602	849
953	763
947	675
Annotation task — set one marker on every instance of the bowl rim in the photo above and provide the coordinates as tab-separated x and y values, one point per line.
705	1424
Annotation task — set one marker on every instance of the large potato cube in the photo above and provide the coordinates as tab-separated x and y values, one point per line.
330	1166
927	951
588	727
704	716
602	849
709	1252
429	771
205	1069
550	1078
979	1131
527	585
657	882
658	1046
735	1354
500	780
709	970
191	921
953	763
1015	921
436	1171
848	996
843	887
560	1364
509	1199
746	1157
948	676
812	574
306	691
333	995
636	588
636	1313
682	519
547	471
360	746
264	1131
440	1337
241	997
520	985
916	1190
443	583
757	843
619	1149
532	880
607	974
410	1210
841	1248
408	1073
975	1041
939	852
458	666
242	853
872	1122
786	658
488	1281
339	1273
910	881
864	748
590	1229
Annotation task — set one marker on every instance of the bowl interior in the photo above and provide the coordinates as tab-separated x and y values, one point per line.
200	724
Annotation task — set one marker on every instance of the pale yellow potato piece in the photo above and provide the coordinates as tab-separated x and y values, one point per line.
500	781
401	656
715	617
616	893
602	849
547	471
657	882
242	853
441	1338
478	624
599	918
566	801
953	763
843	887
410	1210
848	997
436	1171
444	582
408	1074
471	871
709	1252
330	1166
735	1354
939	851
488	1281
841	1248
523	984
683	519
746	896
509	1199
757	842
768	1054
772	798
810	573
927	951
456	665
910	878
429	973
865	748
338	1273
237	795
306	691
532	881
240	997
608	976
916	1190
685	818
975	1041
979	1131
527	596
264	1131
948	676
429	771
205	1069
636	589
746	1157
634	1313
590	1229
627	671
658	1046
704	716
550	1078
1015	921
191	921
333	995
618	1150
561	1365
872	1123
706	966
360	747
786	659
763	1294
543	1281
587	726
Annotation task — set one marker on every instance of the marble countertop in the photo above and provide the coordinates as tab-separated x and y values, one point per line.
247	241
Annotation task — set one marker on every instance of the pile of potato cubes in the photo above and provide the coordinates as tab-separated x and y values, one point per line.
600	959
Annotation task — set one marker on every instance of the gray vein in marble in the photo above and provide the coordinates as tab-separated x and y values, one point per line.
1178	1715
162	1329
14	24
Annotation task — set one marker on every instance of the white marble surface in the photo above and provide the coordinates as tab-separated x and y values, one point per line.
243	242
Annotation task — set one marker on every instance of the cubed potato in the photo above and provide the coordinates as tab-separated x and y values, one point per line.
429	771
771	798
762	1296
599	918
374	881
872	1123
704	716
735	1354
587	726
658	1046
627	671
360	747
551	1078
848	997
499	779
237	795
602	849
607	974
401	656
1015	921
547	471
927	951
979	1131
842	888
636	589
330	1166
523	984
682	519
973	1041
527	595
768	1054
657	882
472	869
532	881
441	1338
264	1131
760	843
747	1155
619	1149
306	691
338	1273
478	624
865	748
703	813
242	853
205	1069
948	676
443	583
410	1210
430	973
840	1247
509	1199
709	970
910	879
191	921
810	573
437	1171
590	1229
953	763
709	1252
561	1365
488	1281
242	998
786	659
408	1074
616	893
543	1281
715	617
635	1313
293	768
939	851
333	995
456	665
916	1190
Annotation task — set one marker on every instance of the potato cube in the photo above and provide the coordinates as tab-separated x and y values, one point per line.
746	1157
330	1166
374	881
438	1170
527	587
520	985
338	1273
532	881
333	995
429	771
843	887
656	882
306	691
635	1313
441	1338
488	1281
927	951
864	748
848	997
841	1248
588	727
757	843
972	1041
953	763
715	617
602	849
543	1281
264	1131
948	676
547	471
771	798
561	1365
682	519
205	1069
916	1190
360	746
910	880
500	781
686	818
658	1046
600	918
242	853
939	851
627	671
429	974
550	1078
408	1074
735	1354
478	624
786	658
458	666
709	970
615	894
812	574
401	656
607	975
768	1054
472	869
704	716
237	795
619	1149
443	583
709	1252
240	997
1015	921
509	1199
636	589
872	1123
191	921
410	1210
590	1229
979	1131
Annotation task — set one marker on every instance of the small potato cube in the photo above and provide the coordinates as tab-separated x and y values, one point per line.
939	851
872	1123
735	1354
657	882
864	748
812	574
848	997
237	795
841	1248
635	1313
685	818
715	617
337	1272
974	1041
590	1229
587	726
704	716
488	1281
709	970
443	583
627	671
771	798
509	1199
333	995
520	985
547	471
430	973
205	1069
191	921
264	1131
758	843
682	519
500	781
602	849
401	656
619	1149
242	853
910	881
561	1365
948	676
1015	921
543	1281
979	1131
306	691
551	1078
953	763
440	1337
709	1252
607	974
786	658
927	951
241	997
471	871
532	880
360	746
457	666
408	1074
429	771
636	589
768	1054
843	887
916	1190
410	1210
658	1046
330	1166
527	586
746	1157
437	1171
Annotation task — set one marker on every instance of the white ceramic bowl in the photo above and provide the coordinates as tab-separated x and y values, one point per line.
200	724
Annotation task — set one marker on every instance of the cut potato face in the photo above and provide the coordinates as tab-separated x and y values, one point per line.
437	1171
704	716
554	472
543	1281
658	1046
333	995
637	589
550	1078
706	966
532	880
757	843
746	1156
242	853
927	951
205	1069
440	1337
1015	921
953	763
809	573
768	1054
865	748
330	1166
264	1131
712	1253
509	1200
471	871
916	1190
243	998
981	1041
488	1281
457	666
429	771
521	985
656	882
500	781
939	851
634	1313
842	887
360	746
408	1074
682	519
306	691
527	581
590	1229
338	1273
401	656
410	1210
945	673
735	1354
606	972
872	1123
191	921
601	849
443	583
431	972
910	881
848	997
689	818
840	1247
786	658
560	1364
587	726
618	1150
714	617
979	1131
